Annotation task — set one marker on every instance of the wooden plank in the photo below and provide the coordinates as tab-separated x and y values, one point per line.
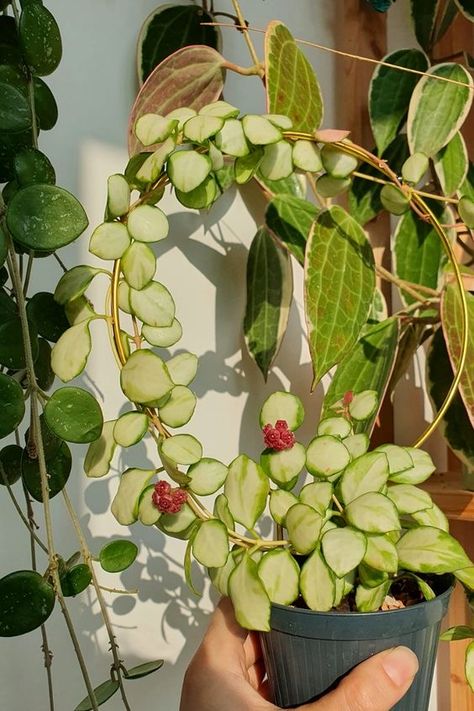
449	494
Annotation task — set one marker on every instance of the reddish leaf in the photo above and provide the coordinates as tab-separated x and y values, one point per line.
192	77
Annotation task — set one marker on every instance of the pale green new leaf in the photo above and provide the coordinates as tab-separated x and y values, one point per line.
343	549
317	583
430	550
364	474
246	489
280	573
211	544
371	599
249	598
138	265
438	108
381	554
280	503
179	407
409	499
154	306
292	87
182	368
144	377
100	452
339	287
182	449
147	223
373	513
207	476
126	501
303	524
269	295
130	428
74	283
109	240
69	355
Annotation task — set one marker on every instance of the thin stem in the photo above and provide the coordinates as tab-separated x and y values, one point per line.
29	267
118	591
254	70
60	262
117	665
403	285
338	505
19	511
244	28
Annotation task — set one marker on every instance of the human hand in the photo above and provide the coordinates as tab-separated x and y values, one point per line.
227	672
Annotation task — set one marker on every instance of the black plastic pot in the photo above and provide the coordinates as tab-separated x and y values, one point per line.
307	653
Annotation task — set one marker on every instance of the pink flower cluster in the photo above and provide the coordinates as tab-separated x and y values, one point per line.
278	437
168	500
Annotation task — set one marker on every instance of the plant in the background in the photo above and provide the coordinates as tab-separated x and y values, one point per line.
361	514
37	219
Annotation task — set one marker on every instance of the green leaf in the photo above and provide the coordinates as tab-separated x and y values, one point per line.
373	513
317	583
102	693
130	428
10	464
211	544
12	405
142	670
45	217
381	554
144	377
429	550
414	168
74	283
371	599
15	113
222	511
277	161
336	426
364	474
418	253
336	162
281	405
100	452
292	87
283	467
147	223
409	499
48	316
424	14
12	354
451	319
199	73
58	467
43	371
260	131
303	524
118	195
138	265
294	185
70	354
246	489
438	108
26	602
109	240
363	405
269	295
127	499
151	128
394	200
290	219
179	408
279	573
169	28
31	166
207	476
182	449
117	556
280	502
306	156
245	167
249	598
458	632
76	580
188	169
432	517
451	165
45	105
368	366
420	470
40	39
390	93
74	415
164	336
153	305
339	287
318	494
343	549
204	195
326	455
182	368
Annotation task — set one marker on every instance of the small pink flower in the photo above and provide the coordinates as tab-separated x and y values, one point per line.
162	487
165	503
278	437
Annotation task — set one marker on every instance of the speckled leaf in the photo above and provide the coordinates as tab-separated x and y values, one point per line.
269	294
390	93
199	73
292	87
40	38
290	219
451	318
424	14
339	287
438	109
368	366
26	602
74	415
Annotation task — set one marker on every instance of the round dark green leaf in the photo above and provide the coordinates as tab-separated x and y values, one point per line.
45	217
168	29
8	31
74	415
58	468
15	112
43	370
10	463
48	316
51	443
102	693
26	602
12	405
143	669
40	39
7	307
76	580
12	353
117	556
3	276
32	166
10	143
3	247
45	105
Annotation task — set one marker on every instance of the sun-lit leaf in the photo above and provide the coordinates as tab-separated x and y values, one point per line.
117	555
74	415
144	377
70	353
290	219
247	592
100	452
246	488
451	165
429	550
126	502
142	670
74	283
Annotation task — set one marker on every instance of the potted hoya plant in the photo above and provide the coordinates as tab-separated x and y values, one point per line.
361	558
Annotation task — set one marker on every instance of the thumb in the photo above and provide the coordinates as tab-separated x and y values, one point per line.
375	685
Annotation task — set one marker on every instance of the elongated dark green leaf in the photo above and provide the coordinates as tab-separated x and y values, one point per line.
76	580
269	294
290	219
423	14
438	108
467	188
292	87
15	112
446	19
294	185
26	602
12	405
451	165
102	693
40	38
364	195
10	464
199	73
339	287
390	94
45	105
467	8
408	344
45	217
10	143
456	423
169	28
451	318
58	467
144	669
418	253
367	367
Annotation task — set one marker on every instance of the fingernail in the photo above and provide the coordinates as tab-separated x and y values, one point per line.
401	665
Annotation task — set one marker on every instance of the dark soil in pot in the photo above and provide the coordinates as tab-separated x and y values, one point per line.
307	653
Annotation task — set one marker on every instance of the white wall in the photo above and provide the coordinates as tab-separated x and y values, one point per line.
203	263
